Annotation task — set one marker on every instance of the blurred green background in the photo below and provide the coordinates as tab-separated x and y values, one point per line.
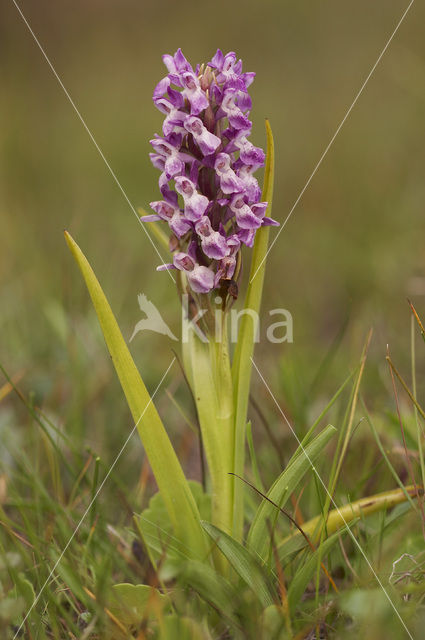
354	247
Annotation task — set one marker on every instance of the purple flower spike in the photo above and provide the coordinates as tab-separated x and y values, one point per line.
211	199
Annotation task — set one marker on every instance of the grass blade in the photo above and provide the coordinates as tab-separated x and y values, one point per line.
304	574
282	488
211	586
245	564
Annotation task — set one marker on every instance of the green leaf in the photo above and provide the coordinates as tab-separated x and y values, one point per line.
132	603
176	627
180	505
211	586
304	574
281	489
25	589
241	368
11	609
370	608
157	533
273	623
245	564
290	545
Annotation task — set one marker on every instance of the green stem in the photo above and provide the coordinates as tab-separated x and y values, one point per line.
213	393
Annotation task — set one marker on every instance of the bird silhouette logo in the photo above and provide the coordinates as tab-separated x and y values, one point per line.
153	320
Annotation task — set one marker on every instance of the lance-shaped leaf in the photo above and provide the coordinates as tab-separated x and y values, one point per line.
245	564
304	574
241	368
211	586
281	489
172	484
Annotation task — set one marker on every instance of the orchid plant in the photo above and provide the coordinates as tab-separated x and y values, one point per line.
213	210
212	205
206	158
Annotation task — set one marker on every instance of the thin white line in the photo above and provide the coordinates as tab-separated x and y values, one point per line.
333	501
92	501
90	135
333	138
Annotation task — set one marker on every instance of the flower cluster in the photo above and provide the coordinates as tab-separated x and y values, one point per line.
211	199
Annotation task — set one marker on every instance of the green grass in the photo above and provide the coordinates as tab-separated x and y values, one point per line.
48	482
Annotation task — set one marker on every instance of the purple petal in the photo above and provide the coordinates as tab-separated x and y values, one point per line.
176	98
157	161
236	118
234	243
259	209
247	237
169	62
269	222
226	69
206	141
213	244
193	249
174	166
178	225
248	78
185	187
249	154
194	171
217	60
181	63
161	87
245	217
244	101
171	214
163	105
163	209
198	101
229	181
183	262
195	207
238	67
169	195
195	204
165	267
201	279
250	184
151	218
